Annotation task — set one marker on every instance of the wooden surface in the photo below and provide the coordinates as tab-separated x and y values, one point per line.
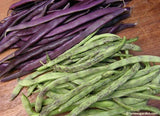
145	12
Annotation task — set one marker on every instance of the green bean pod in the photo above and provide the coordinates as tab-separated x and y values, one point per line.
69	95
99	57
16	91
28	106
132	47
97	37
105	92
66	54
121	93
31	89
133	59
144	96
146	71
140	81
86	91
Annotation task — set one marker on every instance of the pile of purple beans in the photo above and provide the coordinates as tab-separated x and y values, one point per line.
38	28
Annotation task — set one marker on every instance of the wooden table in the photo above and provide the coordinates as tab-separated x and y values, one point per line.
145	12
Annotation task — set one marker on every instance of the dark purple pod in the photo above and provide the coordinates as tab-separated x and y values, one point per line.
42	32
6	38
58	5
29	31
8	43
20	3
3	66
27	12
84	19
96	25
123	26
50	39
75	16
57	14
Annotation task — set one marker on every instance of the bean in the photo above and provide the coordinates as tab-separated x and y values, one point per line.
52	95
27	105
105	92
120	93
99	57
134	59
131	40
148	108
113	77
90	53
87	91
132	47
146	71
78	81
97	37
131	100
66	54
69	95
94	50
55	112
113	112
92	45
70	61
16	91
68	86
74	76
140	81
42	78
19	87
105	105
144	96
31	89
37	73
91	112
97	43
119	102
156	80
121	55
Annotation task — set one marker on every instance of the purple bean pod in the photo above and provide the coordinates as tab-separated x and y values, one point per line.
50	39
37	36
81	20
29	31
96	25
27	56
20	3
57	14
58	5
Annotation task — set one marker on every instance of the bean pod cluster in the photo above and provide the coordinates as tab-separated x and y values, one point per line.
97	77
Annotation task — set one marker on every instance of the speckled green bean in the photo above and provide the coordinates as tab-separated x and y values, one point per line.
131	100
132	47
146	71
27	106
144	96
87	91
133	59
30	90
16	91
105	92
120	102
99	57
66	54
97	37
45	77
120	93
140	81
69	95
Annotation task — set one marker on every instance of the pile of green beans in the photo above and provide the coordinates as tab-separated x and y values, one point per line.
97	77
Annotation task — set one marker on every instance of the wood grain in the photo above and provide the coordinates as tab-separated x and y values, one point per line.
145	12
